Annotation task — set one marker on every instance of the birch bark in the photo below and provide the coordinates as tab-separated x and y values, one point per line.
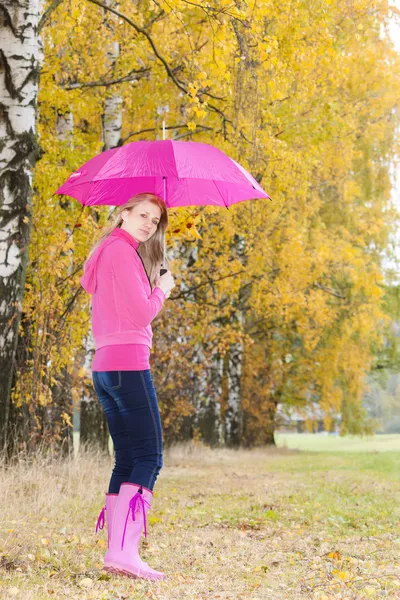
20	60
93	423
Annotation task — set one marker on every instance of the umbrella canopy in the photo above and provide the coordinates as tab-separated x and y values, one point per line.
182	173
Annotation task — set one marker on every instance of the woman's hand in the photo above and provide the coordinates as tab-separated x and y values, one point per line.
165	283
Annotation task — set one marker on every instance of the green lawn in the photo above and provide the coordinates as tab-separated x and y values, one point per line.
263	524
331	443
324	443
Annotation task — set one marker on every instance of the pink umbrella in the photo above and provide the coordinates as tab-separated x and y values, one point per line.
182	173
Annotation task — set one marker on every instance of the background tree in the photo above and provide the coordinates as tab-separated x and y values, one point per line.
276	302
20	60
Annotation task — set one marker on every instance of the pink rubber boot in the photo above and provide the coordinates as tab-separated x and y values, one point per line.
129	519
111	501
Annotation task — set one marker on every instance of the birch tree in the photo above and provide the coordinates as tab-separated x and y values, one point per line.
93	422
20	58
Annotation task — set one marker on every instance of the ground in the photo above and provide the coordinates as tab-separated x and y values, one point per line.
261	524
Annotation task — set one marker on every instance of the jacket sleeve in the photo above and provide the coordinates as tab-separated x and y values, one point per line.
129	290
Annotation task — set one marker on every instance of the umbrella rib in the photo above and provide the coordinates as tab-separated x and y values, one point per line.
219	192
173	154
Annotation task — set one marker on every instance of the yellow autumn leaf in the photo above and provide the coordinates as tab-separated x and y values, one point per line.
344	575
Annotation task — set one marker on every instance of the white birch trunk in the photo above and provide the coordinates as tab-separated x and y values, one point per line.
112	121
63	395
233	422
209	417
207	389
65	127
112	126
92	417
112	117
233	416
20	58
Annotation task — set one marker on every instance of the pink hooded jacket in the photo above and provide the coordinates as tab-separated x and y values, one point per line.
123	304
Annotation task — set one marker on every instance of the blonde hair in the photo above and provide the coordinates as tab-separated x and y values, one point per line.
151	251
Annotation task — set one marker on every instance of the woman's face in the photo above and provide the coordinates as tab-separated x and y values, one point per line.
142	220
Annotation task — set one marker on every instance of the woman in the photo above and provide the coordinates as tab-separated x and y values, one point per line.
122	274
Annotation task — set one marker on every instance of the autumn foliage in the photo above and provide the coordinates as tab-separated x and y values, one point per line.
277	302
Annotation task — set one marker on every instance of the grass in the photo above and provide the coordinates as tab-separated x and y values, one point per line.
261	524
333	443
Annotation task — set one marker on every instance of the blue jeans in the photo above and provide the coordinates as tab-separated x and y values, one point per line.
130	404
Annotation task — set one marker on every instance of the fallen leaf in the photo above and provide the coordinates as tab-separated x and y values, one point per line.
86	582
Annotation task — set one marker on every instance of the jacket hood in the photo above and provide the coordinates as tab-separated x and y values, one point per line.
89	279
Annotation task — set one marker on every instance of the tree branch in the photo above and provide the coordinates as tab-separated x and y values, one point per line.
198	129
225	119
46	15
329	291
156	18
79	267
132	76
216	11
70	304
148	129
170	72
208	282
168	69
